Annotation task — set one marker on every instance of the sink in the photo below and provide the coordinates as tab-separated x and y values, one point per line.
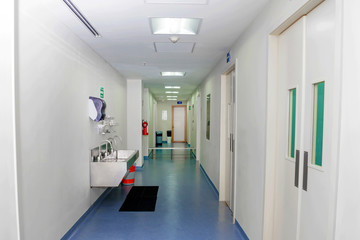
110	171
128	156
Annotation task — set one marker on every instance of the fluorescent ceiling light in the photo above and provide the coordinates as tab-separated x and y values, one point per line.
171	96
172	74
186	26
174	87
81	17
171	92
172	99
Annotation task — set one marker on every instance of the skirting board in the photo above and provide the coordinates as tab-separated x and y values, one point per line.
139	168
210	182
242	232
87	214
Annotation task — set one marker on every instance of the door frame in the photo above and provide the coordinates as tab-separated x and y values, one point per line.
198	126
154	122
172	123
223	136
271	115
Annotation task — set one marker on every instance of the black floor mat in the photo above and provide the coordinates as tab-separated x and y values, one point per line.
140	199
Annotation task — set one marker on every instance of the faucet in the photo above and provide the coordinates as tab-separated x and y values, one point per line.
106	148
116	142
113	142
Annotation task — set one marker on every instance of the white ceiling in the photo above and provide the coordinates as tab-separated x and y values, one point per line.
128	44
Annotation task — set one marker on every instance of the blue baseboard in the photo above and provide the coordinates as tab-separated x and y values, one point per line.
210	182
84	217
193	154
151	152
139	168
242	232
146	157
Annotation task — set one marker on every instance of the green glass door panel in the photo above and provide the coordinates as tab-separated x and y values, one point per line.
292	123
318	128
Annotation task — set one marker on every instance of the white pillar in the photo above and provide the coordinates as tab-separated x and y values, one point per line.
348	207
134	117
146	117
9	213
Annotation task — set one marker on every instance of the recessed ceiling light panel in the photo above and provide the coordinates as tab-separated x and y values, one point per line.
173	87
172	74
199	2
171	92
186	26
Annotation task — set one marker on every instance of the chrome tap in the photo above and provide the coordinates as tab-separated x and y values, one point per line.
106	148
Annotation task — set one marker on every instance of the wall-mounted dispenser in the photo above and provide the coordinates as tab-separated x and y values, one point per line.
96	109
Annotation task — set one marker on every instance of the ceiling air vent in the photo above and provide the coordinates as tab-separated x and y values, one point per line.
76	11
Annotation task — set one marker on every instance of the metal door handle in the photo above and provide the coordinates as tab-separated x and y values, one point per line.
233	143
305	171
297	168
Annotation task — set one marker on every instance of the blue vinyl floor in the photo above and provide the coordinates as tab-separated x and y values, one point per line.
187	207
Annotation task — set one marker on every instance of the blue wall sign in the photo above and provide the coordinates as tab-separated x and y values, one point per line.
179	102
228	57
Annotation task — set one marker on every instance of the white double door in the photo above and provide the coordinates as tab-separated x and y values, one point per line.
304	164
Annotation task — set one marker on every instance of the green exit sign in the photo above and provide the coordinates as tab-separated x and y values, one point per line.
102	92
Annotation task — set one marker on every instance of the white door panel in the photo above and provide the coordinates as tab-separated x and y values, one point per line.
291	73
320	52
179	123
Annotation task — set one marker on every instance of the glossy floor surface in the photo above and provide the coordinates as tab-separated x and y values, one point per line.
186	208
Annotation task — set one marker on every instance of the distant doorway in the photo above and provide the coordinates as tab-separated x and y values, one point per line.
178	124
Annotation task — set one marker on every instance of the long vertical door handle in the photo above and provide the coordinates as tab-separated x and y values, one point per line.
297	168
305	171
230	142
233	143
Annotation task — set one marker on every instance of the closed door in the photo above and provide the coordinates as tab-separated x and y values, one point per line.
291	73
230	153
303	195
319	98
179	123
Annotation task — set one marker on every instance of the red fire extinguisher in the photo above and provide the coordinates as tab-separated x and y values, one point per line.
144	125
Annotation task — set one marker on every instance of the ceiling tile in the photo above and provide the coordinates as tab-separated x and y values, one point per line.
162	47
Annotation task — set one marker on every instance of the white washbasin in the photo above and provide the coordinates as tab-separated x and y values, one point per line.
120	155
110	171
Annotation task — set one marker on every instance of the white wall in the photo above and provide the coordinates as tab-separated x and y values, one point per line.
348	207
8	176
134	117
251	51
210	149
57	74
